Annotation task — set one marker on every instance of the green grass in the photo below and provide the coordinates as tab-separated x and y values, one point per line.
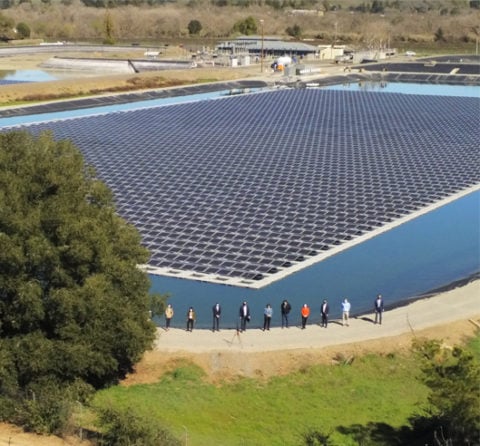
473	346
249	412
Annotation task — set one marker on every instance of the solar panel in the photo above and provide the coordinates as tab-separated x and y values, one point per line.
249	186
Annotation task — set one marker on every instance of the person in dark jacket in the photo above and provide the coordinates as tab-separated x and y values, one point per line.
190	319
217	311
378	307
244	314
285	309
324	310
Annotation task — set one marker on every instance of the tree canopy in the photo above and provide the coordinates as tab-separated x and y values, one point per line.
246	26
74	306
194	27
453	377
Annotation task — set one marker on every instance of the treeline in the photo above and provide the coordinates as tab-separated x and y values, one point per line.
357	23
374	7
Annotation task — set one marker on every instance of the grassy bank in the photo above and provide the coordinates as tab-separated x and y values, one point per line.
330	399
364	400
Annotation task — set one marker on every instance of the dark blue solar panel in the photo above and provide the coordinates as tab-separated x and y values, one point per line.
267	180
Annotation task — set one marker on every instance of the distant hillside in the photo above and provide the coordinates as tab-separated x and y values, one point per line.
369	24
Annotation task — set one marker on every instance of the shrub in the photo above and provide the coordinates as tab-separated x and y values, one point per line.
125	428
452	375
23	30
194	27
247	26
294	31
47	406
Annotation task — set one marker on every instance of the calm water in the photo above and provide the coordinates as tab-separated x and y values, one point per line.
26	76
428	252
428	89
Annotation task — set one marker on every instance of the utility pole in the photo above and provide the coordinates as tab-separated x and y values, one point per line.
261	54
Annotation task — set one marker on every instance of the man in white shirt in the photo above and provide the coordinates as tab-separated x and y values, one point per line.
345	312
244	314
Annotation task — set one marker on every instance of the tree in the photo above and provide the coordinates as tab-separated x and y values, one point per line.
439	35
294	31
452	375
125	427
194	27
6	28
377	7
247	26
74	306
108	29
23	30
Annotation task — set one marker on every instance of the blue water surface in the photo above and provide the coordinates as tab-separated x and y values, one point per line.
411	88
27	76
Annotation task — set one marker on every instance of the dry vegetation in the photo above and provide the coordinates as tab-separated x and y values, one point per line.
74	21
103	84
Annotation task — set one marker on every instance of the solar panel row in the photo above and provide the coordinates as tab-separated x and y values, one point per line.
245	186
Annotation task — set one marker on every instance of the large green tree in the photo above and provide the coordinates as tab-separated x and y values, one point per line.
74	306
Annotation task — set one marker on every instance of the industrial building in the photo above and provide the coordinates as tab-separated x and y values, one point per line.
270	46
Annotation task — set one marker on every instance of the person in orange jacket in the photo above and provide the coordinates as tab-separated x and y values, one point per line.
305	313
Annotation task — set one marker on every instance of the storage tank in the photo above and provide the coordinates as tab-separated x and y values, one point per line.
284	61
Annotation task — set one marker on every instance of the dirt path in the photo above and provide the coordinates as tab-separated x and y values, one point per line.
227	365
451	316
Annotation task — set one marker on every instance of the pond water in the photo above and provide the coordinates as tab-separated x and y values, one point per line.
411	88
431	251
21	76
26	76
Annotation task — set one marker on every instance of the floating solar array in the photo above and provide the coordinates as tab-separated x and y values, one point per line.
247	188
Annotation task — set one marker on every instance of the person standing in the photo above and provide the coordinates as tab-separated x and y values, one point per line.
285	308
305	311
345	311
190	319
378	307
217	311
267	317
168	316
324	310
244	314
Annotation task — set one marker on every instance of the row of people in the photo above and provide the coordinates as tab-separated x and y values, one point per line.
285	310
